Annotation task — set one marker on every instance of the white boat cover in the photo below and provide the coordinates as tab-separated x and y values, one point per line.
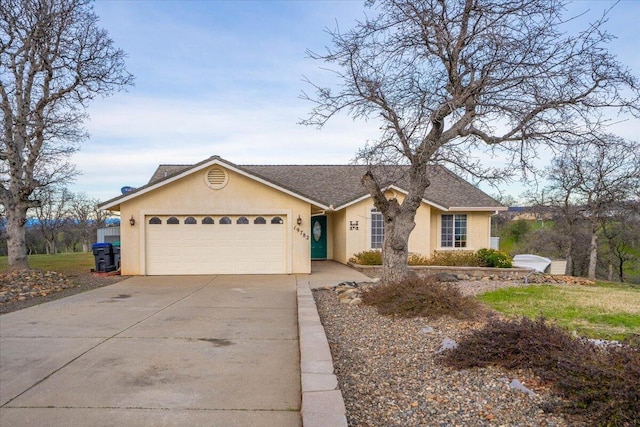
534	262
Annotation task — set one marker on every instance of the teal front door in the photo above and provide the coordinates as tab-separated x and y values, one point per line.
318	237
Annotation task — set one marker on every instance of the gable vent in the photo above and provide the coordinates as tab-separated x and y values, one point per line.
216	177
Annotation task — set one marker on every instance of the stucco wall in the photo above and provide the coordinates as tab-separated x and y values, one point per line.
338	231
192	196
478	230
425	238
360	240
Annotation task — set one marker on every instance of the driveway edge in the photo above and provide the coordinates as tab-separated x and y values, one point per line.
322	402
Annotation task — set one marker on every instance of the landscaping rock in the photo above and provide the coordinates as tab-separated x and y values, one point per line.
446	277
447	344
25	284
389	374
21	289
517	385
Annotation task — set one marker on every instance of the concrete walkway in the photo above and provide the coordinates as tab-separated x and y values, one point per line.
155	351
331	273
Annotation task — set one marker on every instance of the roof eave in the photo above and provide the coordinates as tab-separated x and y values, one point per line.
116	202
390	187
477	208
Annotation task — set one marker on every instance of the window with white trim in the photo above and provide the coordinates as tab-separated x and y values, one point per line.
453	232
377	229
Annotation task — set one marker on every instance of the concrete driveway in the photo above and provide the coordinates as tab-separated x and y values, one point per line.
153	351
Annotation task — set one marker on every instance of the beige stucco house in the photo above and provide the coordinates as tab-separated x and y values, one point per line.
216	217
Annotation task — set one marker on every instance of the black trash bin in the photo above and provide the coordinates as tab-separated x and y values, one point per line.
103	255
116	255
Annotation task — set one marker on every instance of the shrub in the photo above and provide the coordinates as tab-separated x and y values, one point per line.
417	297
482	258
417	259
601	384
455	258
367	258
374	257
493	258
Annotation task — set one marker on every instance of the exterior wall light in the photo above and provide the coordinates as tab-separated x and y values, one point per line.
132	220
299	220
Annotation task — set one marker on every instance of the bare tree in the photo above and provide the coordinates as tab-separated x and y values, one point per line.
621	232
609	172
52	214
557	201
449	77
562	196
623	241
591	181
53	60
606	170
87	218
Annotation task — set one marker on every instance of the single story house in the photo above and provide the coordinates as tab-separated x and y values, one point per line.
216	217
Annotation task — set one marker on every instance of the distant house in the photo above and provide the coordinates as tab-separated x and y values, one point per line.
216	217
529	213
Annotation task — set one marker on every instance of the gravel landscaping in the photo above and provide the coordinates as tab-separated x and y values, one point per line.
390	375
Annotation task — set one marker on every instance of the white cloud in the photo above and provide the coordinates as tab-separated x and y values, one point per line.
223	78
130	136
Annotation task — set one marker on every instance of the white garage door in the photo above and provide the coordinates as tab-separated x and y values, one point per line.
215	244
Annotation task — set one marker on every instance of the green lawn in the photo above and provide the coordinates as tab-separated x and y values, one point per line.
606	311
62	263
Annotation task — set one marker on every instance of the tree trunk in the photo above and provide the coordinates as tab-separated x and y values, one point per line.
611	256
593	256
396	248
16	237
399	222
568	270
621	270
51	247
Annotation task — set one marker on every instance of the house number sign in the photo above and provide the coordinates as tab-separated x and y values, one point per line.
301	232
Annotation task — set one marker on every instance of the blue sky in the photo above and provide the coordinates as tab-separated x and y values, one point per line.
224	78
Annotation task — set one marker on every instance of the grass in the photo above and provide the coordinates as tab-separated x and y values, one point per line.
62	263
606	311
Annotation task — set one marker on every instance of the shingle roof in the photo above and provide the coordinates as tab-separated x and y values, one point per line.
338	185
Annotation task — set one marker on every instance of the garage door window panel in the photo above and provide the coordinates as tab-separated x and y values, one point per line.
208	220
173	220
225	220
190	220
242	220
277	220
155	220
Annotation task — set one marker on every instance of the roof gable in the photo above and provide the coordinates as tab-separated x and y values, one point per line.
166	174
333	186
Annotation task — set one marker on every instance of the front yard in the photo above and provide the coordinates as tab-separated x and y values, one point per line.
605	311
